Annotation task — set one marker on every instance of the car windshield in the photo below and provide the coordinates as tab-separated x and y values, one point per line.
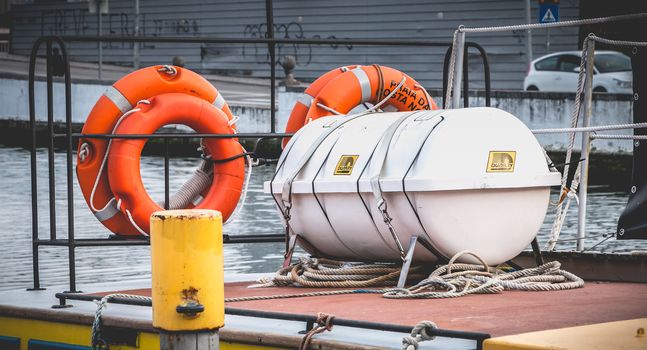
609	63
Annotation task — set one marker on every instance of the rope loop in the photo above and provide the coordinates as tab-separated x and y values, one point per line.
324	323
168	69
84	151
97	341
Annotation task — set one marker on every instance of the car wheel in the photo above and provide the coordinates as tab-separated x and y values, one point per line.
532	88
599	89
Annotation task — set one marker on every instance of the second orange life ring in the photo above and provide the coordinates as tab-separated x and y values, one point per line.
369	84
298	115
174	108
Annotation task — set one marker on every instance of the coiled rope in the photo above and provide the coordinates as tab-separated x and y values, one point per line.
327	273
447	281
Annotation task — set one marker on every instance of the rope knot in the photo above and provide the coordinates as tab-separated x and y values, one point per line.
409	343
325	320
421	332
424	329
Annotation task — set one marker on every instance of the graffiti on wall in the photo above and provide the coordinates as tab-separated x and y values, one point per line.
292	30
81	22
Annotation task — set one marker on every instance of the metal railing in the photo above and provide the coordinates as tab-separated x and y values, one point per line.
70	241
309	320
452	93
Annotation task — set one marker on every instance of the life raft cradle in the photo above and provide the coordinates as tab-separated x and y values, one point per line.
377	161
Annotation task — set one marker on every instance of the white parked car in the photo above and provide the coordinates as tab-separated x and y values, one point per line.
558	72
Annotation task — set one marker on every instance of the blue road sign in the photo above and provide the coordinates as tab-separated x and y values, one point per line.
548	12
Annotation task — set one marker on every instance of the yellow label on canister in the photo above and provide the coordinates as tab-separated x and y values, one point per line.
346	164
501	161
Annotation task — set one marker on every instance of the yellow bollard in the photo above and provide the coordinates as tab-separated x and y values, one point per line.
187	277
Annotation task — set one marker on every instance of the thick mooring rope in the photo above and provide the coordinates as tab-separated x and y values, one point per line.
327	273
447	281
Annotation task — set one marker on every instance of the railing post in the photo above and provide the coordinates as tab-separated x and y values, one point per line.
187	278
269	14
586	146
33	168
459	50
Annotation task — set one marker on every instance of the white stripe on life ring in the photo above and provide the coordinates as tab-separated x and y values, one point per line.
364	83
118	99
219	101
305	99
197	200
108	212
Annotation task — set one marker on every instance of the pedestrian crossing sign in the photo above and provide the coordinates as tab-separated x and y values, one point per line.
548	11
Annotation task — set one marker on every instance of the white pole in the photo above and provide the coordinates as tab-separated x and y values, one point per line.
100	51
136	33
586	146
528	33
458	70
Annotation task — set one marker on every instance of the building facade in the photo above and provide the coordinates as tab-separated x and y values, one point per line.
433	20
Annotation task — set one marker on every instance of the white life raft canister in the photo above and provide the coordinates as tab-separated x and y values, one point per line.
463	179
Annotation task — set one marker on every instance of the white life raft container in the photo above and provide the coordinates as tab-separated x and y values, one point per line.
462	179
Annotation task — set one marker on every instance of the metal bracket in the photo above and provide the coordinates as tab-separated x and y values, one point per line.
406	264
292	242
536	250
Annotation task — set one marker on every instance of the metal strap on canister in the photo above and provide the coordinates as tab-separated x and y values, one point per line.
375	170
428	245
286	194
323	210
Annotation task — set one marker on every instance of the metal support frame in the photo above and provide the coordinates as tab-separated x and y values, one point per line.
586	146
486	73
406	265
70	241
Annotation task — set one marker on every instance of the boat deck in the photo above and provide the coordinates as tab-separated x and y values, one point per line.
498	315
511	312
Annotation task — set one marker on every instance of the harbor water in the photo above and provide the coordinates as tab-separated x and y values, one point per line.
258	216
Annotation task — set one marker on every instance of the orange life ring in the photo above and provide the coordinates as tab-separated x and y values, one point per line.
298	115
369	84
174	108
117	100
